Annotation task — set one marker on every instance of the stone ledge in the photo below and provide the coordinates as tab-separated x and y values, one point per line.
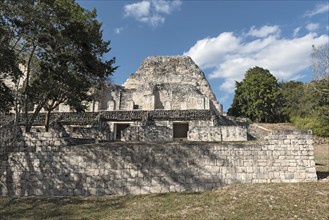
135	115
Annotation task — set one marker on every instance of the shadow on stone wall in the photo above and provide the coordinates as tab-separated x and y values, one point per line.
117	168
112	169
150	133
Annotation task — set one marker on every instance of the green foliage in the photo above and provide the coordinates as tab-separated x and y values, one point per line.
8	66
319	118
307	106
63	51
292	92
257	97
6	97
260	98
316	113
318	123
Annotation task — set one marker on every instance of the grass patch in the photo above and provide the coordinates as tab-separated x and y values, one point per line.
245	201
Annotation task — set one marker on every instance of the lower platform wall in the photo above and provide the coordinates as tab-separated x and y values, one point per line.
141	168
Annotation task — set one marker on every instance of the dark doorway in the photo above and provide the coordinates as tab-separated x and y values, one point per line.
119	129
180	130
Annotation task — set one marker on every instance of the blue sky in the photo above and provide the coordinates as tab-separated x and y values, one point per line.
225	38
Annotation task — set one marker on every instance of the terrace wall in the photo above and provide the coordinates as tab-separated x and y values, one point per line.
56	169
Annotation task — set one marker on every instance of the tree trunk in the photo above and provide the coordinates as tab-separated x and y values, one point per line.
27	84
30	122
17	111
47	120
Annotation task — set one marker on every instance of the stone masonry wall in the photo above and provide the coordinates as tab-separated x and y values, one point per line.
172	70
147	134
234	133
221	133
6	134
139	168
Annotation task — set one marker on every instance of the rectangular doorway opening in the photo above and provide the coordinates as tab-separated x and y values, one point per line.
118	130
180	130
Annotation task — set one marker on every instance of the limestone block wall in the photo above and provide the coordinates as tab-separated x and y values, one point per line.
6	134
101	132
202	123
163	131
172	70
126	101
234	133
204	134
147	134
192	124
42	139
221	133
139	168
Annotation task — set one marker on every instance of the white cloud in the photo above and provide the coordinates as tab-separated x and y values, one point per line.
153	20
296	31
230	56
264	31
208	50
166	7
319	9
137	10
312	27
118	30
151	12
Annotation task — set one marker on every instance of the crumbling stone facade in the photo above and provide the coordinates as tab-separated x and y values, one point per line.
151	99
171	83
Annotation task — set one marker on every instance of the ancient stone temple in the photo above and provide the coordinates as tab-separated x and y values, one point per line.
143	125
167	98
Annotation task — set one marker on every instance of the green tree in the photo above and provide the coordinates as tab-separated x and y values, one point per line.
315	101
293	93
63	50
315	114
257	97
306	106
6	97
8	67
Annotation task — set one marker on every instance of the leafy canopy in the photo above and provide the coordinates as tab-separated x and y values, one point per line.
62	48
257	97
8	66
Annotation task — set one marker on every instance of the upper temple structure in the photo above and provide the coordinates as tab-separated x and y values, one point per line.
167	98
171	83
176	101
161	83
